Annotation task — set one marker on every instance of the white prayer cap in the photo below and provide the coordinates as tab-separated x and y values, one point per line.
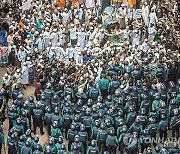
21	47
72	25
145	3
36	49
146	40
36	32
91	27
13	22
90	38
40	56
59	44
101	30
79	53
53	48
6	75
123	5
54	30
50	43
69	44
65	9
58	8
32	29
41	60
18	70
28	58
46	28
76	16
48	6
88	52
24	63
41	35
78	44
91	6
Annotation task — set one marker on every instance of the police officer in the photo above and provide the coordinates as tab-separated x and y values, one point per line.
113	85
163	126
20	143
145	140
174	123
57	117
35	142
63	149
112	142
131	116
38	149
55	131
59	143
122	135
48	120
26	149
19	128
94	92
133	144
12	145
71	135
101	137
78	144
67	120
25	121
94	129
48	92
83	136
38	119
50	147
87	121
93	149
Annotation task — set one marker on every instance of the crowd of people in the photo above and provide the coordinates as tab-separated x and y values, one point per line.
99	87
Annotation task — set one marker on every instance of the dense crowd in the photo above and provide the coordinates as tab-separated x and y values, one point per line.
106	76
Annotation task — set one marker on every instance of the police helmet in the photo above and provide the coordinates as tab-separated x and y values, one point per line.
76	139
171	84
36	139
109	98
31	99
43	98
21	138
93	143
55	97
27	144
63	146
60	139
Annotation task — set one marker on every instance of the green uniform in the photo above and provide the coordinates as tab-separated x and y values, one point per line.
91	149
103	84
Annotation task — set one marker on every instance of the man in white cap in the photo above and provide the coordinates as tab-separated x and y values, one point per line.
40	42
17	76
90	3
59	51
146	12
152	17
69	52
122	12
25	75
76	50
79	59
54	38
21	54
82	38
65	16
73	35
136	37
152	32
